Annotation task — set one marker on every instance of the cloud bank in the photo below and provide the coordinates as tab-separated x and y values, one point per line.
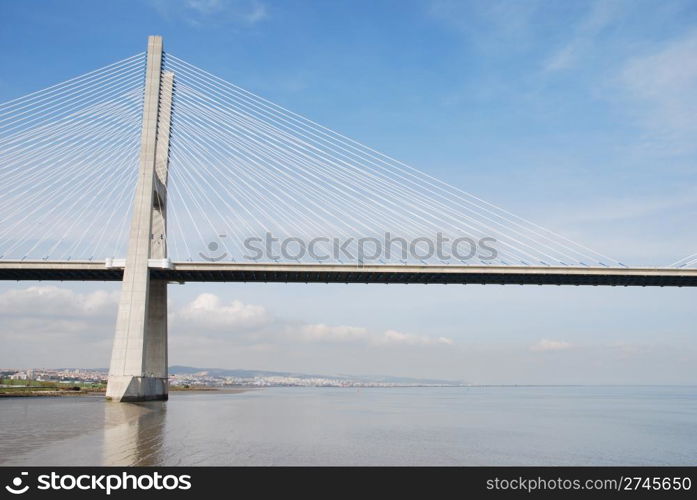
550	345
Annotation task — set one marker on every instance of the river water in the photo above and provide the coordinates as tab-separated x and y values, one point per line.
332	426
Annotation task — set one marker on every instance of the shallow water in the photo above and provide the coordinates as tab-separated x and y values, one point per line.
328	426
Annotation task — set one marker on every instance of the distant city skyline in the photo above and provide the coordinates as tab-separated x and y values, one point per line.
219	377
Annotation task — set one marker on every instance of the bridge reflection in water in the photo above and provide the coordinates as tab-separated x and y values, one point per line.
134	434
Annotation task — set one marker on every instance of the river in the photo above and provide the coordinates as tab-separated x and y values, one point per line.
348	426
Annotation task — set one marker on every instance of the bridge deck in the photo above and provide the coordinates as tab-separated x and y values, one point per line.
317	273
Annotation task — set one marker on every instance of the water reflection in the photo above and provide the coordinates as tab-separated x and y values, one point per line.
134	433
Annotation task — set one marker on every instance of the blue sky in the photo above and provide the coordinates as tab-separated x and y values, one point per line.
577	115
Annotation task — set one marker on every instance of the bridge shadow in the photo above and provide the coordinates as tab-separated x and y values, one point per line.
134	433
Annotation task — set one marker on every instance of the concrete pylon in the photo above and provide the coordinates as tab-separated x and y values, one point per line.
138	370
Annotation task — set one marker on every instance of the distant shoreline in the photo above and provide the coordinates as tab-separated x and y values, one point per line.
26	392
44	394
100	392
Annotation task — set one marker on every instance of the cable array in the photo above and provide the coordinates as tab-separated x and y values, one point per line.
243	167
248	180
689	261
68	164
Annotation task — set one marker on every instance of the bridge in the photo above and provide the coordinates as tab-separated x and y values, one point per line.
181	272
152	171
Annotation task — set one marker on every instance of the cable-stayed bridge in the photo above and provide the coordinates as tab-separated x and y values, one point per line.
151	170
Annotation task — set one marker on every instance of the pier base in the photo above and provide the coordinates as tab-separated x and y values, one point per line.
138	369
129	389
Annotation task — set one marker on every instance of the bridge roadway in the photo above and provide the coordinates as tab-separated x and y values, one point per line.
350	273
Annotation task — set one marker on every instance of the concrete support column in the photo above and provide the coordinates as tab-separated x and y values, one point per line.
138	370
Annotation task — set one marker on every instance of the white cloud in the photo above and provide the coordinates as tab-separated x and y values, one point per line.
640	207
207	310
550	345
661	89
601	14
253	324
491	25
41	301
395	337
52	326
204	12
205	6
49	309
325	333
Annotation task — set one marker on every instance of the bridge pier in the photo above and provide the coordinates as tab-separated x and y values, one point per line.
138	370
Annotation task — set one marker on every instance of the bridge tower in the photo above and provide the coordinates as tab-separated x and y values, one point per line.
138	370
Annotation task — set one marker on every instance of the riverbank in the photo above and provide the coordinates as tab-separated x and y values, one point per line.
29	392
50	393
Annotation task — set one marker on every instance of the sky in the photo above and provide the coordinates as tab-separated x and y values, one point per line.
578	115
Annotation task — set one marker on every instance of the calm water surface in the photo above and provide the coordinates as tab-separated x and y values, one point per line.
322	426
